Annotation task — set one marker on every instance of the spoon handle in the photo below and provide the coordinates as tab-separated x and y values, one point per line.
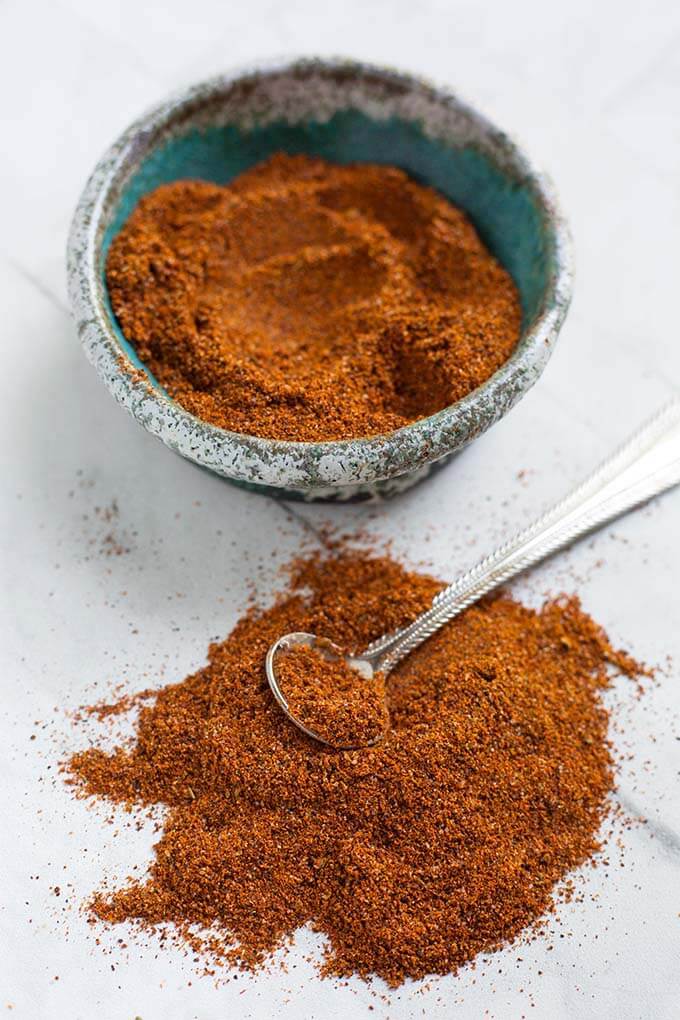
647	464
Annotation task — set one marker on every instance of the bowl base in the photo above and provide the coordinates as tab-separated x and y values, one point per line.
375	492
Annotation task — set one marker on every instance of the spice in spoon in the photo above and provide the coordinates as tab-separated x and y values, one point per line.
330	698
310	301
450	837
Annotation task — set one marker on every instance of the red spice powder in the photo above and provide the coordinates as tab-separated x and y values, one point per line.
445	840
333	700
310	301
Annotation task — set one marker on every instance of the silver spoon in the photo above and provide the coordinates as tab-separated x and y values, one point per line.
647	464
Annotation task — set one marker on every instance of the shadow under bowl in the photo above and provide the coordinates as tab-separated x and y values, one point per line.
345	112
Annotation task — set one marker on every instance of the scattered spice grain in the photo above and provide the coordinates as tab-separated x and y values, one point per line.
445	840
333	700
311	301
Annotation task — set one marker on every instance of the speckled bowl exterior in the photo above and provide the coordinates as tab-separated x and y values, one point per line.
346	112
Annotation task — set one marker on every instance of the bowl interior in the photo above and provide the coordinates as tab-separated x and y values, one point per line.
504	211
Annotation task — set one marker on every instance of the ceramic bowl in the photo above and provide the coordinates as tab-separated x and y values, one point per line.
345	112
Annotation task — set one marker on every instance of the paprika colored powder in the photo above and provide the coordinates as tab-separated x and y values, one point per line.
310	301
444	840
329	697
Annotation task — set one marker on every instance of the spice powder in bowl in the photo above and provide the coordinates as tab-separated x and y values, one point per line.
310	301
447	839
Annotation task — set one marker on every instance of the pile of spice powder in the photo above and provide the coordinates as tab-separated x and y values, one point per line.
445	840
330	698
310	301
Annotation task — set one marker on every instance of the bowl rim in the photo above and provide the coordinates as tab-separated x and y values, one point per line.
291	463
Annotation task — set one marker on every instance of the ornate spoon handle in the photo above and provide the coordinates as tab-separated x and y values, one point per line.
647	464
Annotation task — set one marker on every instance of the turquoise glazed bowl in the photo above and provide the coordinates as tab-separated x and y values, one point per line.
346	112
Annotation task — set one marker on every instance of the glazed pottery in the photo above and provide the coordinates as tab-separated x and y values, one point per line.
345	112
